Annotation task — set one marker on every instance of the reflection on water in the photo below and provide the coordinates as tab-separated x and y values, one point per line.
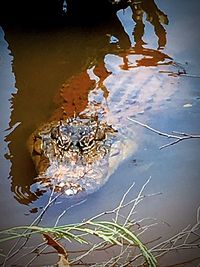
155	16
7	90
113	82
116	70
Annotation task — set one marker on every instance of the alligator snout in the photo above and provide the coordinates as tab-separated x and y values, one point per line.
72	155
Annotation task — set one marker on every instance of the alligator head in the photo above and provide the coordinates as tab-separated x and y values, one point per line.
72	155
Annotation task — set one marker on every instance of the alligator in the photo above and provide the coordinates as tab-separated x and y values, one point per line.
73	154
76	154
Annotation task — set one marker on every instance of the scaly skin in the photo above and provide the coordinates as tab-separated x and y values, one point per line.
72	154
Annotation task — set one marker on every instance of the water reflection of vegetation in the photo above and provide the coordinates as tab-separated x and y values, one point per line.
154	15
67	102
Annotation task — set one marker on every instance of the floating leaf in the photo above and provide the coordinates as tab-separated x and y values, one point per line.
63	255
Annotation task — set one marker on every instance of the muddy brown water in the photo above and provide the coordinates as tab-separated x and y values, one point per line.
137	75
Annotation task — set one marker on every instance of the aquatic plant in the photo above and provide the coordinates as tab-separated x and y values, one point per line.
111	232
100	233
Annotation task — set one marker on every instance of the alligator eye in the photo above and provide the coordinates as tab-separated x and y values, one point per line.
54	133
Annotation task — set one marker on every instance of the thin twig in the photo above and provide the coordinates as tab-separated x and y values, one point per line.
122	202
138	199
169	245
65	211
180	137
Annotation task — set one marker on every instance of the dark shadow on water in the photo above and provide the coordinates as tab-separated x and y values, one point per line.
49	62
49	14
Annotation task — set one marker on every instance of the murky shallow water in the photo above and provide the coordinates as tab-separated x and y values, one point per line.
35	64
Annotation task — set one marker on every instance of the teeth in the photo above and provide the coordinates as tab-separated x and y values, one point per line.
75	191
69	192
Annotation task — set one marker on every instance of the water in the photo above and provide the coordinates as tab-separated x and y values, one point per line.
35	62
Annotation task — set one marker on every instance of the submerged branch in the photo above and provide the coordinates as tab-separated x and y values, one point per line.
117	233
109	233
178	137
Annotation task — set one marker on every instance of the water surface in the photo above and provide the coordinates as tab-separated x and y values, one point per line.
132	71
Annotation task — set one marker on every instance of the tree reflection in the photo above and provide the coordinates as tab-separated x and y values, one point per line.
155	16
72	97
